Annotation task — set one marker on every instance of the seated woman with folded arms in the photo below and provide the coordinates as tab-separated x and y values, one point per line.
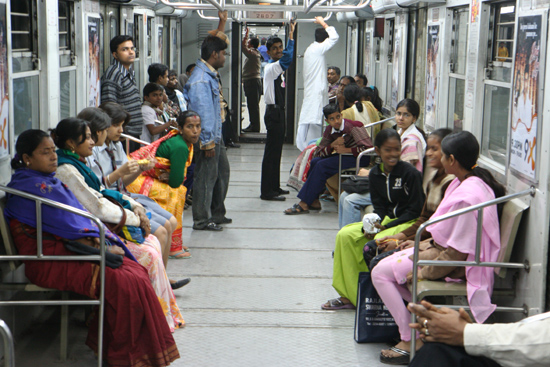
397	197
173	154
452	239
133	335
74	140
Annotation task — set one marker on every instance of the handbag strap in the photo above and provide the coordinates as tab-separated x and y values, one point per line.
116	228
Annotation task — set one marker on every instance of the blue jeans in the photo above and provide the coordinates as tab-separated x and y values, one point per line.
351	206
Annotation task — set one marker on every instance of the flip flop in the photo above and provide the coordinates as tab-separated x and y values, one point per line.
177	256
402	359
296	209
337	304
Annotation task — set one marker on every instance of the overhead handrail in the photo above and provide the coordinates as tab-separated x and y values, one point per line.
213	5
39	201
477	262
9	353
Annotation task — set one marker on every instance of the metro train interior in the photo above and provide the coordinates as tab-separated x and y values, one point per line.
257	286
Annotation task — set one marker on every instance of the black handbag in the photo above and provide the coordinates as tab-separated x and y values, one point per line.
373	321
356	185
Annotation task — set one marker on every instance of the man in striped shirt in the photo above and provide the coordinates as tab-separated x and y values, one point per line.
118	84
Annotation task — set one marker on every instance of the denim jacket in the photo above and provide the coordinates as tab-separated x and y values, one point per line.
202	92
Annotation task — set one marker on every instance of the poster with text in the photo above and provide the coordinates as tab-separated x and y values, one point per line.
93	62
431	75
4	105
525	96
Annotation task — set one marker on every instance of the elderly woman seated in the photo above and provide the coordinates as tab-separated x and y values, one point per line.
136	333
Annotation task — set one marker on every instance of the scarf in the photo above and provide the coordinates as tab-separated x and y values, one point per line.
54	221
67	157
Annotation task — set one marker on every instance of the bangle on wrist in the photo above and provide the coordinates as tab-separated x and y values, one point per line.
107	181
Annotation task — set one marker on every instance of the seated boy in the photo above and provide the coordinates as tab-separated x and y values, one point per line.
341	136
152	111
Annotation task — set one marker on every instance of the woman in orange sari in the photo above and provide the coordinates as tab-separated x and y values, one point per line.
173	154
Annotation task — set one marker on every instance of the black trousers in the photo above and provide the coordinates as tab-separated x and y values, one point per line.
438	354
253	92
271	165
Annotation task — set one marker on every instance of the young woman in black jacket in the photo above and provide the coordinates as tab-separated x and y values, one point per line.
397	197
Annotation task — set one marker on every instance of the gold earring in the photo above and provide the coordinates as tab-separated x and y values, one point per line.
28	164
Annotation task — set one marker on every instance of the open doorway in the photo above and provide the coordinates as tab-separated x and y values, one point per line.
261	32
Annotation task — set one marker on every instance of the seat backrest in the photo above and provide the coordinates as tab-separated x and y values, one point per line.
7	239
509	224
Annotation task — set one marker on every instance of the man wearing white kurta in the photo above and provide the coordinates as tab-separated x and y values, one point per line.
315	84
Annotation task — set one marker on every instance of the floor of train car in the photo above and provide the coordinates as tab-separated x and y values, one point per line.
256	289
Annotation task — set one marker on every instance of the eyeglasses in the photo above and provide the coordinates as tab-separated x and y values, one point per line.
403	114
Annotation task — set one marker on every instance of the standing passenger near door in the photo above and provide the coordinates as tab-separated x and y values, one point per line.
251	81
310	124
204	93
274	118
119	85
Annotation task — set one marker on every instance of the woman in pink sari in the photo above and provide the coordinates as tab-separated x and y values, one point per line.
453	239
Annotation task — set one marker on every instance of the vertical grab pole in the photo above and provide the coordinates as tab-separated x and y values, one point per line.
339	180
38	206
9	354
479	233
101	293
414	290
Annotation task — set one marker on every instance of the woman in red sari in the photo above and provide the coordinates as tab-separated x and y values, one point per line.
134	334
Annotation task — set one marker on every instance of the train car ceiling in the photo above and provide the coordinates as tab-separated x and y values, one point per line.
349	16
287	5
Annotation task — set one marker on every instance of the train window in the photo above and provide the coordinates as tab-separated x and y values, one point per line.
459	40
389	65
137	23
25	103
496	110
501	41
66	33
67	95
457	68
24	41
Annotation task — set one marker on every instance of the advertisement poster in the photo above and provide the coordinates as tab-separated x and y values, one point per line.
395	67
4	106
525	96
431	75
93	62
368	52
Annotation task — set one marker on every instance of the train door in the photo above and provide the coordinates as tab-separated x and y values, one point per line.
498	81
178	40
139	44
151	42
173	48
110	16
352	41
457	67
25	65
386	64
68	61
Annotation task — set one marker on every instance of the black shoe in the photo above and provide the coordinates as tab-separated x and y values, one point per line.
283	192
273	198
231	144
250	129
209	227
180	283
225	220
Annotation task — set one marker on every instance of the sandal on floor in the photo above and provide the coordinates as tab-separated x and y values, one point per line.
180	255
296	209
337	304
402	359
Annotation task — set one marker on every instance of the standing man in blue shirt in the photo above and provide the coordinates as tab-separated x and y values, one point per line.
274	118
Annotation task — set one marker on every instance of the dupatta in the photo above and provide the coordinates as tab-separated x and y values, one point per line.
460	234
54	221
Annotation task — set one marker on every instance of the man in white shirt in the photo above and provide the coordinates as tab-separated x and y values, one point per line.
452	340
310	124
